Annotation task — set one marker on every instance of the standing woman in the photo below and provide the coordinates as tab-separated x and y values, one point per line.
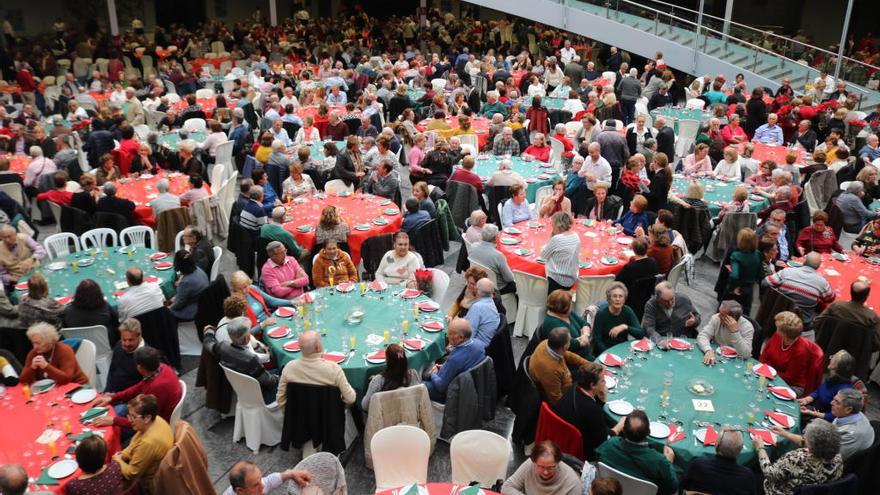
746	269
561	253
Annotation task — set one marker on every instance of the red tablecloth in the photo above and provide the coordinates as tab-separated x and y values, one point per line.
18	163
479	124
100	95
775	153
10	89
199	62
312	111
24	423
355	209
143	190
840	274
435	489
596	242
208	104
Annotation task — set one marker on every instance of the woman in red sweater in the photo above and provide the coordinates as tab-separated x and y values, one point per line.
661	247
539	148
50	358
797	360
818	237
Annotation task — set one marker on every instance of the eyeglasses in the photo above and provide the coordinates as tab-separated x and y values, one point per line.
132	415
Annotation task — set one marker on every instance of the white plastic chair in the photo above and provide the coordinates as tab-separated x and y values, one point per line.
178	241
56	213
696	104
205	93
479	455
540	194
13	189
440	283
618	124
142	131
556	150
195	125
676	271
687	134
137	236
223	154
98	238
591	289
215	267
257	422
400	456
218	171
85	358
58	245
631	485
470	139
178	409
101	354
573	127
438	84
336	186
532	302
610	76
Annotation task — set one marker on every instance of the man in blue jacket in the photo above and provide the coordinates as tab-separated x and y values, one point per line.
465	354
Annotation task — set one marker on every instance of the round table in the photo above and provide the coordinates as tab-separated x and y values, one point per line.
551	103
312	111
216	62
142	190
171	140
737	394
383	311
718	193
357	210
433	489
535	173
19	163
596	243
775	154
480	126
208	104
842	273
675	114
108	270
316	149
26	422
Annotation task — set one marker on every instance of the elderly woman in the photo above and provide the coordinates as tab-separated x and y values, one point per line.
468	294
728	168
841	369
400	264
852	208
539	150
107	171
818	237
698	163
308	133
764	177
791	354
693	198
331	227
559	305
868	175
733	133
143	162
192	282
214	139
189	164
264	150
96	476
333	266
617	321
543	473
738	204
818	462
561	253
555	202
396	374
235	306
50	358
89	307
260	304
37	306
476	221
153	439
298	184
635	217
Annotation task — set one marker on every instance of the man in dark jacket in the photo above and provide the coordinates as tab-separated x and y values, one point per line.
665	138
111	204
720	473
99	143
123	370
236	355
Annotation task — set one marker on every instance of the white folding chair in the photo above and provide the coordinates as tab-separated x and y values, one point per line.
85	358
215	267
479	455
676	271
142	131
178	409
542	193
532	302
590	289
224	154
137	236
400	456
56	213
101	354
440	283
195	125
696	104
205	93
217	172
336	186
257	422
58	245
630	484
99	238
14	190
470	139
556	150
438	84
573	127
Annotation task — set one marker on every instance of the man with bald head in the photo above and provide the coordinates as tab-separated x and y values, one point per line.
859	320
312	369
466	352
483	314
13	479
806	287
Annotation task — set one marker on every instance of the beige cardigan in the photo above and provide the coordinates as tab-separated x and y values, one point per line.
407	406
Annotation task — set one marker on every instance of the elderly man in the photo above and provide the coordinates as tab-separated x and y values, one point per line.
37	168
871	150
237	356
505	144
858	317
135	114
505	176
336	129
466	174
274	231
856	432
614	149
630	89
466	352
165	200
336	97
123	370
141	297
384	180
775	229
726	328
853	210
312	369
281	275
665	138
595	167
13	479
493	106
781	201
631	454
245	478
18	254
112	204
279	134
769	133
483	314
549	365
806	287
720	473
253	216
486	254
805	136
668	314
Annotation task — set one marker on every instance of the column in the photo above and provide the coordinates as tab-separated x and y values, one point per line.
728	14
114	21
273	13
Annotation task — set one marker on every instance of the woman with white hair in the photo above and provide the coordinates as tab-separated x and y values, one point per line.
476	221
539	150
143	163
817	462
189	164
50	359
38	167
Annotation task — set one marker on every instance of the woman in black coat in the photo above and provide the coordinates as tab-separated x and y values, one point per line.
756	112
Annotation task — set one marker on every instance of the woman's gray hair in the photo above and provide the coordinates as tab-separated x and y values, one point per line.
855	187
561	220
44	330
846	365
277	146
822	439
615	286
851	398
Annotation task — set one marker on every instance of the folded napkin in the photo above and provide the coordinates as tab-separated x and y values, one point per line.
380	354
82	436
392	211
433	325
163	264
93	413
784	392
158	256
410	293
416	344
643	345
64	300
765	371
304	228
45	479
21	286
151	278
285	312
471	490
711	436
45	386
766	435
334	358
278	332
680	345
727	351
292	346
611	360
378	286
345	287
306	298
409	490
784	420
531	180
428	306
675	434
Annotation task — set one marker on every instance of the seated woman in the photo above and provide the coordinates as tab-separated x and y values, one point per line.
728	168
143	162
37	306
792	355
660	247
397	374
601	206
581	406
152	440
841	369
399	265
190	285
555	202
818	237
745	269
738	204
308	133
468	295
331	227
817	462
640	265
539	149
196	191
96	476
233	307
297	184
559	314
635	217
50	358
260	304
693	198
261	154
543	473
698	163
617	321
333	266
107	171
764	177
89	307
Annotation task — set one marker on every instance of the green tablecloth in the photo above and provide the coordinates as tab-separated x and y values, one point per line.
63	282
316	150
734	397
486	165
717	192
172	139
383	311
673	115
549	102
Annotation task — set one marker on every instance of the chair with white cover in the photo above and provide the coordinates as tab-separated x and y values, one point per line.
507	300
205	93
610	76
696	104
172	97
56	213
99	238
532	302
257	422
687	134
400	456
618	124
440	284
14	190
178	241
58	245
137	236
228	84
590	290
556	150
470	139
217	172
438	84
479	455
223	154
195	125
631	485
542	193
573	127
215	267
676	271
142	131
336	186
85	358
102	354
178	409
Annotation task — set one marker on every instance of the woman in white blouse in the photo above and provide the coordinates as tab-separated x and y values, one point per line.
297	184
308	133
400	264
729	167
535	87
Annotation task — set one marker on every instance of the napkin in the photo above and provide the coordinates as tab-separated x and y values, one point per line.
783	391
378	286
278	332
433	325
64	300
392	211
334	358
292	346
410	490
93	413
531	180
679	345
162	264
711	436
158	256
380	354
345	287
285	312
784	420
611	360
44	387
45	479
304	228
409	293
766	435
428	306
471	490
727	351
675	434
765	371
82	436
151	278
21	286
306	298
643	345
416	344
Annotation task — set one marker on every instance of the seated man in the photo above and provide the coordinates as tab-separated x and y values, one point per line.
729	328
466	174
245	476
165	200
483	314
466	353
140	297
123	369
383	181
486	254
631	454
60	194
805	286
720	473
867	243
312	369
505	176
414	217
856	432
668	314
281	275
154	438
198	246
13	479
111	204
236	355
18	254
858	316
274	231
550	363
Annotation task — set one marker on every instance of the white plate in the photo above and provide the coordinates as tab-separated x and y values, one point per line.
86	262
782	397
609	261
659	430
610	382
633	343
772	369
126	249
62	469
38	385
58	265
375	361
700	434
626	241
620	407
84	396
726	352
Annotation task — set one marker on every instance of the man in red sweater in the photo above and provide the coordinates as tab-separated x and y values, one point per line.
28	86
465	174
60	194
159	380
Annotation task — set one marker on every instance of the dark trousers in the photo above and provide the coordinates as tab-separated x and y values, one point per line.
628	109
553	285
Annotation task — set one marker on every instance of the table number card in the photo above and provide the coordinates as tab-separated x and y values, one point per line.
703	405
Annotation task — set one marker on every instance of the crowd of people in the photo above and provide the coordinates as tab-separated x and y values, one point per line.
403	99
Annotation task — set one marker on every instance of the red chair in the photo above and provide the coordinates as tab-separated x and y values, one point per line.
815	367
552	427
